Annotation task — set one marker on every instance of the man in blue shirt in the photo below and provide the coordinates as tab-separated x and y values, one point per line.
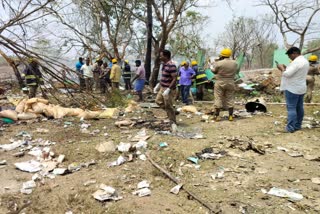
185	81
80	73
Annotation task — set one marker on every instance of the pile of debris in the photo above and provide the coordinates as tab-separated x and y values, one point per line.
263	80
45	163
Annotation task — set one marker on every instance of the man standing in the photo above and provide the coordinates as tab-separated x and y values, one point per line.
115	74
33	77
96	73
140	79
79	64
104	78
201	80
313	70
166	94
126	75
293	83
224	86
87	70
186	76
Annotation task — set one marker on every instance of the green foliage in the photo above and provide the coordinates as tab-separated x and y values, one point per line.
314	44
116	99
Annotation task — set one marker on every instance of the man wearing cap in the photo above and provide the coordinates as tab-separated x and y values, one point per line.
293	83
201	79
140	79
115	74
186	74
224	87
313	70
126	75
96	73
33	77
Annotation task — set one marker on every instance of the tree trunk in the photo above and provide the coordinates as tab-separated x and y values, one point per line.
149	42
14	68
156	66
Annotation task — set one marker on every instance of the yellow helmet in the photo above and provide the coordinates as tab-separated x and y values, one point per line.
114	61
183	63
313	58
226	52
126	61
30	60
194	62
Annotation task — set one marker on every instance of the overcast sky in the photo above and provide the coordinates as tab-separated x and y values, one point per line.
221	13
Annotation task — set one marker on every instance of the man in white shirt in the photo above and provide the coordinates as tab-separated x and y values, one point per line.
293	83
87	70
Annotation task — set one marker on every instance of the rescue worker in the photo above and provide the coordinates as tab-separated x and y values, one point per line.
178	92
126	75
186	76
313	70
115	74
165	96
201	79
96	73
224	87
33	77
104	78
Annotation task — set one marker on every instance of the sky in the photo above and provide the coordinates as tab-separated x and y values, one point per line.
221	13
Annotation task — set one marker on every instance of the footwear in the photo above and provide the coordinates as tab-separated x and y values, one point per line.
230	118
217	118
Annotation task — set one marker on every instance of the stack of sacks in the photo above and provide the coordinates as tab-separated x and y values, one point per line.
33	108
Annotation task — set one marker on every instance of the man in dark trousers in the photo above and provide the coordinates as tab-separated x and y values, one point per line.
33	77
126	75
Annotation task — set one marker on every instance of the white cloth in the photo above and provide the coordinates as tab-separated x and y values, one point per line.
87	71
294	77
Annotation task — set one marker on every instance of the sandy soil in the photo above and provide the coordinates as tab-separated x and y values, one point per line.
246	173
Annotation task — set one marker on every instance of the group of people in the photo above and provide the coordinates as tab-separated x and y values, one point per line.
225	71
297	80
102	76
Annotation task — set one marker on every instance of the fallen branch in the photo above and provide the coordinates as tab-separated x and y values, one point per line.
212	210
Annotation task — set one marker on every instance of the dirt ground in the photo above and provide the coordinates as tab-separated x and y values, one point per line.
240	190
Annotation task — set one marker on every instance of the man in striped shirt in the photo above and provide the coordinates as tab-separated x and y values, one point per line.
166	94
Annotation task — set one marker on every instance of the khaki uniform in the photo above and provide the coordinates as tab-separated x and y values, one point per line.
224	86
313	70
166	103
115	75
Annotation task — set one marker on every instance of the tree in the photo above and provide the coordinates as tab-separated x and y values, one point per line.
186	38
254	37
296	18
167	13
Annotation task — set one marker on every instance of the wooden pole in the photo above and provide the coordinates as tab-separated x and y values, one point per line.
212	210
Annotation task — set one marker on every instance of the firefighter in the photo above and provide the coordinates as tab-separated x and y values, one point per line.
313	70
201	79
32	76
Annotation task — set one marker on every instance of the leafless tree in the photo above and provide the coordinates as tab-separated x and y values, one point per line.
295	17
